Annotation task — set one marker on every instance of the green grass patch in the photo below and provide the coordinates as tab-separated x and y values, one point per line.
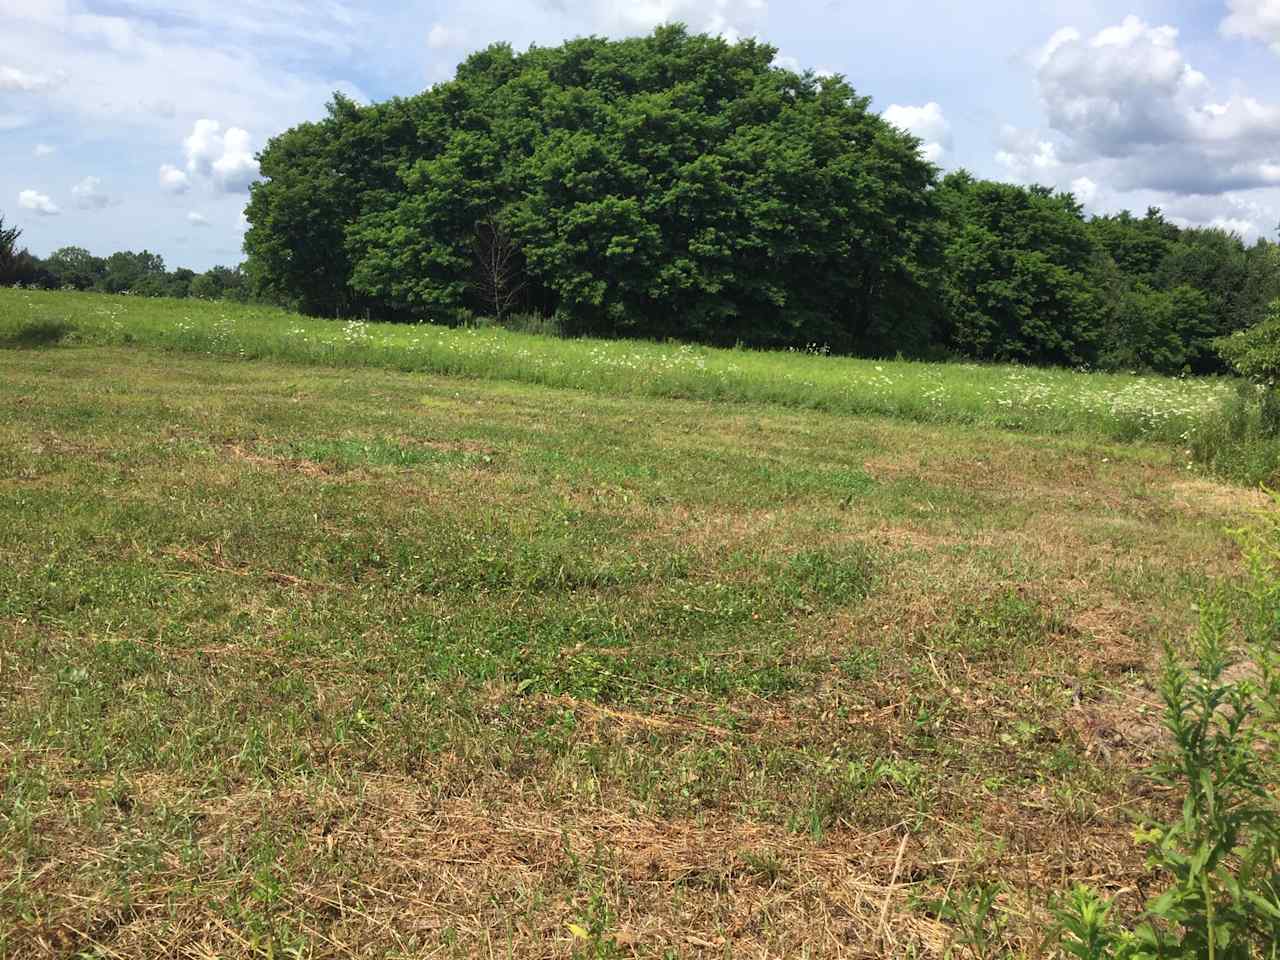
294	654
1112	406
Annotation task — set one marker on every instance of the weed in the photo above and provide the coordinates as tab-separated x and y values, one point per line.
1221	856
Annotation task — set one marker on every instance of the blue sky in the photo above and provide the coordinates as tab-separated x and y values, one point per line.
133	123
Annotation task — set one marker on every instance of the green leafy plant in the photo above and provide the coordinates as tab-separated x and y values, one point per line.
1255	353
1222	854
978	924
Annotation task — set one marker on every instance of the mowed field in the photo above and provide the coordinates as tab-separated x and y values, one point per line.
323	661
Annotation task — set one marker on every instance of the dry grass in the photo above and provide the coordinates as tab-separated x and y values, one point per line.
362	664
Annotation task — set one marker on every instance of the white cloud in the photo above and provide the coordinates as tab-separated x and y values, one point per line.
173	180
224	158
43	150
89	195
786	63
1254	19
203	58
1026	155
928	123
732	19
13	79
1128	110
38	202
441	36
1085	190
197	219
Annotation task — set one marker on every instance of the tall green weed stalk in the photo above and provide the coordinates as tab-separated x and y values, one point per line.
1221	856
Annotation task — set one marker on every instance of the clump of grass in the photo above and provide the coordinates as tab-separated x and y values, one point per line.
1241	440
35	333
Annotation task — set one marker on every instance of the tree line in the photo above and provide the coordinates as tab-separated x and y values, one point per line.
142	274
680	186
677	185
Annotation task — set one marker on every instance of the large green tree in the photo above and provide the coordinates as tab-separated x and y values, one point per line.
319	179
1019	281
670	185
76	267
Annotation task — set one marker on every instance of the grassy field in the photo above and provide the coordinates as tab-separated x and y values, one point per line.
319	660
1113	406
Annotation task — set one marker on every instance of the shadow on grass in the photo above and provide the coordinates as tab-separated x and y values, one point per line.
35	334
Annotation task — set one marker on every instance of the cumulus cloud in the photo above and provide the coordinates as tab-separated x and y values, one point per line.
43	150
1254	19
225	158
928	123
1129	110
173	180
197	219
38	202
1085	190
89	194
1027	155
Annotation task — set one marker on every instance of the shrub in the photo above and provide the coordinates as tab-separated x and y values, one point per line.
1255	353
1241	441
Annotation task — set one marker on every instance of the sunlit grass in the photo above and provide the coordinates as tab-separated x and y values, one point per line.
1113	406
327	662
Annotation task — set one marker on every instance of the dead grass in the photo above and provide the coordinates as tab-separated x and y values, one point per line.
257	704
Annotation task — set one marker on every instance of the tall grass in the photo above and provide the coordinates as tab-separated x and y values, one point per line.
1113	406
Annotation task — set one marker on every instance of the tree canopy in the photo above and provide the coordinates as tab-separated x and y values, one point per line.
672	185
678	185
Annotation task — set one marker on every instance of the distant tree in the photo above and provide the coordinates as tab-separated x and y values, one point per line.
8	252
18	266
221	283
177	283
1018	273
128	272
76	267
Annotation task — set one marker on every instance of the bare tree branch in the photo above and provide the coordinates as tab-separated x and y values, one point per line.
499	267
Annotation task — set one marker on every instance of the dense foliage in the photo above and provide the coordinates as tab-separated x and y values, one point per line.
668	186
1016	281
1255	353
